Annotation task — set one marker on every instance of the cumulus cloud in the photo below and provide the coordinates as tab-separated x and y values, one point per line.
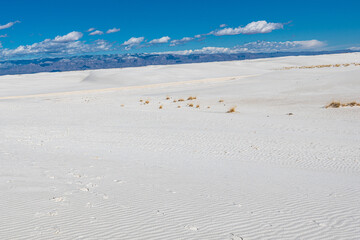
181	41
90	29
8	25
113	30
97	32
61	45
257	47
133	42
3	36
72	36
223	25
355	48
160	40
251	28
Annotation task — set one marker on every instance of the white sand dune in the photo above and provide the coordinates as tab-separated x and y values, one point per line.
82	158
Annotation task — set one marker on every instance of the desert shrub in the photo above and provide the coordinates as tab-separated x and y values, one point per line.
232	110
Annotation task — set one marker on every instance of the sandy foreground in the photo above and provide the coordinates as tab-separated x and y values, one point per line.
82	158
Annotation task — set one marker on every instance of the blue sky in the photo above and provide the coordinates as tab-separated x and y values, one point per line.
31	29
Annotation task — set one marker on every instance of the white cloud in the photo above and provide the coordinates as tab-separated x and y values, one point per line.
257	47
355	48
113	30
181	41
263	46
251	28
8	25
90	29
73	36
160	40
205	50
60	45
97	32
133	42
3	36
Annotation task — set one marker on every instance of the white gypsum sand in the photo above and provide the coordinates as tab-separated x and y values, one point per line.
83	158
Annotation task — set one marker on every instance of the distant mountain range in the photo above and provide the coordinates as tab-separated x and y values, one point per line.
85	62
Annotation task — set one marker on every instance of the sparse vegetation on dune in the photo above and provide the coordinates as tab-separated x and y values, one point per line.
335	104
232	110
322	66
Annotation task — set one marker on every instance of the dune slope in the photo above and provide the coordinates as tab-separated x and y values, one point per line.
92	155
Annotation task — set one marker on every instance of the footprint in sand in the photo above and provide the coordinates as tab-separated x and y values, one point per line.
235	237
191	228
118	181
91	185
89	205
52	213
58	199
84	189
56	230
237	205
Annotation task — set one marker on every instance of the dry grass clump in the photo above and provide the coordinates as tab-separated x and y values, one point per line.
167	98
198	106
232	110
161	107
221	100
181	100
208	106
141	100
122	105
190	105
179	106
147	102
191	98
175	100
335	104
351	104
